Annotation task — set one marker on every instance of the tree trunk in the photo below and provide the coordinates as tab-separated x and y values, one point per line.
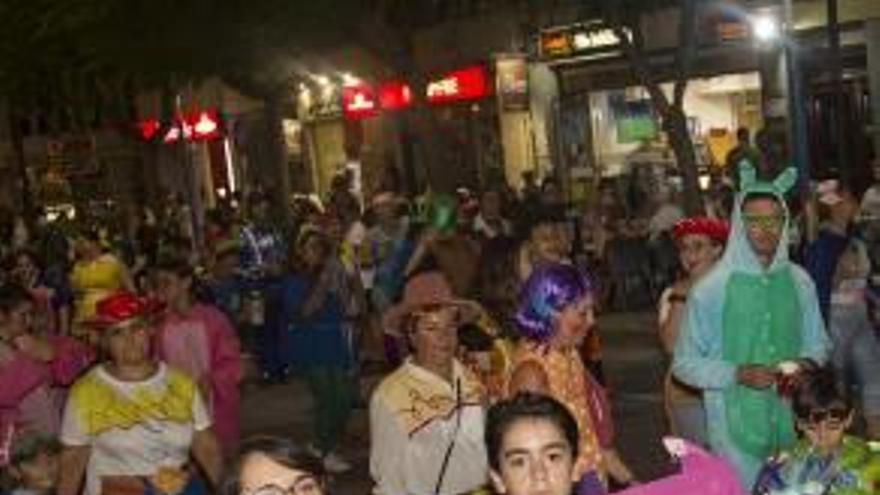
278	166
676	124
24	183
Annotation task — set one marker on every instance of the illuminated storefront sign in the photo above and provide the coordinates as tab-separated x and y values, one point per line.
470	83
577	40
512	80
556	44
148	128
359	101
395	95
205	125
199	125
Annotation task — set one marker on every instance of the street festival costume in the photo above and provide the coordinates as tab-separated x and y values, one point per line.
684	404
414	415
549	289
140	432
741	313
32	392
701	473
853	470
203	344
426	433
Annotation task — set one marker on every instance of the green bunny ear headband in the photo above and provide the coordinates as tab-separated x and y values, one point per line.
749	183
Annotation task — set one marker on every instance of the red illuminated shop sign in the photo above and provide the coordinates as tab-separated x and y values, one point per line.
359	101
194	126
470	83
148	128
395	95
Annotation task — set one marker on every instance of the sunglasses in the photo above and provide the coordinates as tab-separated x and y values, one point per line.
763	222
834	418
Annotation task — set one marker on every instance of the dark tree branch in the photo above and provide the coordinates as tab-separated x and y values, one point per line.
687	47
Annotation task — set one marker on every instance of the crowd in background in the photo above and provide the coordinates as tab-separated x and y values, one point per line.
124	342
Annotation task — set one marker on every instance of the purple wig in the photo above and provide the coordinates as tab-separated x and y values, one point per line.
548	291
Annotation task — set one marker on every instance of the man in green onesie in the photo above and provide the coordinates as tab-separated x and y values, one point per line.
752	318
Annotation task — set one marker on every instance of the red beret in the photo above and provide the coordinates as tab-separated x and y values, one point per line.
715	229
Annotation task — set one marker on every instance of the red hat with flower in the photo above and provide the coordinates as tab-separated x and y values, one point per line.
716	229
122	307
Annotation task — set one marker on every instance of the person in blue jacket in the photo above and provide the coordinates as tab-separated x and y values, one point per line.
317	345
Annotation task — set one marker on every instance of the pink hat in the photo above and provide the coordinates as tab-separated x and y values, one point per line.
426	289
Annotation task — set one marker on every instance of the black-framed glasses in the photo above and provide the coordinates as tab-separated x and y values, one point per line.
304	485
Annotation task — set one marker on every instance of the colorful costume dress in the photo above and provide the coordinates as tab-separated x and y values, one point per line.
743	313
567	380
854	470
203	344
32	392
137	431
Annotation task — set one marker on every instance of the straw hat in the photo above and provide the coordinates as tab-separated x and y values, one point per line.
427	289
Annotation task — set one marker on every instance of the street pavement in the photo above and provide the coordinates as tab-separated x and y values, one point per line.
634	367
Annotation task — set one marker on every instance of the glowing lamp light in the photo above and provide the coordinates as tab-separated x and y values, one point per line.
148	128
205	125
195	126
350	80
705	182
395	95
324	81
173	135
765	28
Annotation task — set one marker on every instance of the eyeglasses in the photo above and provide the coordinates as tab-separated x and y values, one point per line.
763	222
306	485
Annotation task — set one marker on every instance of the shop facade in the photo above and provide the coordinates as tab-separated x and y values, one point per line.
607	124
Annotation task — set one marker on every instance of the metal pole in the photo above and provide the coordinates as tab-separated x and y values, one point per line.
797	101
841	129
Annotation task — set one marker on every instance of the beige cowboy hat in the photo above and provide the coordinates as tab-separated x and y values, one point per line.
423	290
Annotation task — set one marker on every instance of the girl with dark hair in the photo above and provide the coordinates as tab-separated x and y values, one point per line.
274	466
34	370
199	340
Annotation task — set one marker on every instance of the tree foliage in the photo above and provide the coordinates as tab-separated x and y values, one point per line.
54	51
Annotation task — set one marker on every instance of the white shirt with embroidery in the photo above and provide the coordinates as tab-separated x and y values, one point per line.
413	416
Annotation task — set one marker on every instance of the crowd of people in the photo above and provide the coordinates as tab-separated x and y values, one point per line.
123	351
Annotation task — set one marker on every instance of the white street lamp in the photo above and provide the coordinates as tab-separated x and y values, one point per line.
766	28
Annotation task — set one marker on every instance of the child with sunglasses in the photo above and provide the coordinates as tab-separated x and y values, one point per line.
826	461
